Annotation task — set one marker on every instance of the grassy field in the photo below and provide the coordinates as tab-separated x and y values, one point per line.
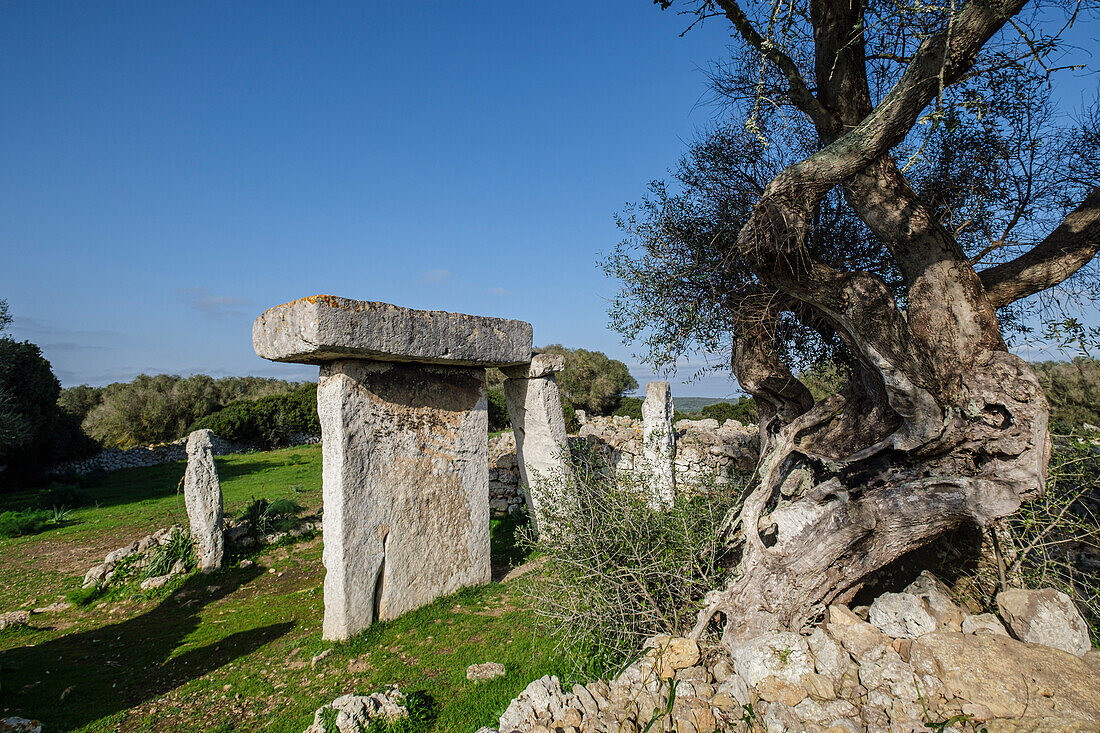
233	650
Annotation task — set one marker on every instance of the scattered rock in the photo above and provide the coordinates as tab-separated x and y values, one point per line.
983	623
313	662
246	564
485	671
1045	616
1012	679
11	619
355	713
902	616
672	653
20	725
158	581
54	607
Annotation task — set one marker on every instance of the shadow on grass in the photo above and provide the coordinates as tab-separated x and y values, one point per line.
506	547
76	679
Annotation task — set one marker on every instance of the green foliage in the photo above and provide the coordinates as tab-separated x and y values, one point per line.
28	410
179	547
268	421
422	711
84	597
572	424
265	516
61	495
744	410
5	316
617	570
156	409
30	521
591	381
629	407
498	410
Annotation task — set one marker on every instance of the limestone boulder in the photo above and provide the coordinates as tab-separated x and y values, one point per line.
902	616
671	653
983	623
15	724
202	494
1012	679
544	693
1045	616
783	655
355	713
937	601
12	619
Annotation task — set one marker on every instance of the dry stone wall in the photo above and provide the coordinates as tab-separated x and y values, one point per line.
703	450
114	459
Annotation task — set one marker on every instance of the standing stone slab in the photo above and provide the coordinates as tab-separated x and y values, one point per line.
659	449
404	425
534	406
406	475
202	494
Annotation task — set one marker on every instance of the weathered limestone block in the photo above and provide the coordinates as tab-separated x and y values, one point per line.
324	328
659	449
1045	616
405	483
534	407
202	494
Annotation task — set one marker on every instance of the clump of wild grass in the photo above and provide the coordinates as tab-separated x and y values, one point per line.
164	558
619	571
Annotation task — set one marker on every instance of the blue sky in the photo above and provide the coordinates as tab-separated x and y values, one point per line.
169	170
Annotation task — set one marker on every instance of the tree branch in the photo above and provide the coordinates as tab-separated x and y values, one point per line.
798	91
1065	251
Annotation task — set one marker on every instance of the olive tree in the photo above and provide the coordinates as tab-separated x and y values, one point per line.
890	189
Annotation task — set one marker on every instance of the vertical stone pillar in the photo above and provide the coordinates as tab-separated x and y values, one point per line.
404	428
202	495
659	444
534	407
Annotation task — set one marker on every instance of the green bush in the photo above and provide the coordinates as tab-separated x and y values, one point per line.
265	516
58	495
268	421
498	410
629	407
156	409
30	521
744	411
28	411
591	381
572	424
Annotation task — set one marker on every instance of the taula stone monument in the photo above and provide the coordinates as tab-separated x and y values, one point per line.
404	427
534	406
202	494
659	444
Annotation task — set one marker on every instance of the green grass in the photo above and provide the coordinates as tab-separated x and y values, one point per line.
232	650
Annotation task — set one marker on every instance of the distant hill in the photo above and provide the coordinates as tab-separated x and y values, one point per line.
694	404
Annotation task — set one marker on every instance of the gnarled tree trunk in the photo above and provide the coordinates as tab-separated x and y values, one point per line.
940	426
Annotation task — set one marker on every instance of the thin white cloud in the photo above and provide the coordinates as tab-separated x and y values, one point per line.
435	277
214	306
499	291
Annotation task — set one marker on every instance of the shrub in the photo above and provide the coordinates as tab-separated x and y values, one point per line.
572	424
28	411
629	407
58	495
156	409
618	571
1055	539
744	411
268	421
30	521
498	410
163	559
264	516
591	381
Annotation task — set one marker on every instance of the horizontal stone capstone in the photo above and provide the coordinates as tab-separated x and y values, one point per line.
324	328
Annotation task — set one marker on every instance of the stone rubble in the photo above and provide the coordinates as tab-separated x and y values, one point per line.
484	671
906	669
354	713
14	724
12	619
